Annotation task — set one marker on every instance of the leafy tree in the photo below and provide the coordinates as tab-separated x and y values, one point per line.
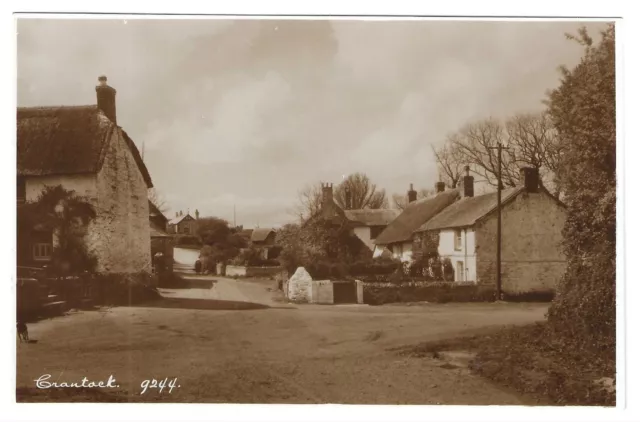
67	216
583	112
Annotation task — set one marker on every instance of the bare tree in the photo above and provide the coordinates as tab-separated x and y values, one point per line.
450	160
401	201
535	143
364	193
309	201
476	143
158	200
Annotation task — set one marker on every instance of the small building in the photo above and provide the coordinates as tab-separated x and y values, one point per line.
263	237
82	149
183	224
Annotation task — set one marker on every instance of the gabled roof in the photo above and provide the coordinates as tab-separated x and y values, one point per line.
155	212
414	215
260	235
179	219
66	140
246	233
367	217
467	211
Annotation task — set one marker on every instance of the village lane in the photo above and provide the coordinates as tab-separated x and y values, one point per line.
267	351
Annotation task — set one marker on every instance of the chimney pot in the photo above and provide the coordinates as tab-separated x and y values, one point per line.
467	183
106	98
412	195
530	178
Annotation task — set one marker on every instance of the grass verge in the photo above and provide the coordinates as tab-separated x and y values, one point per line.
532	361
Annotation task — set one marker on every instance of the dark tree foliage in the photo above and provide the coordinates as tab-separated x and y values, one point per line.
67	215
583	113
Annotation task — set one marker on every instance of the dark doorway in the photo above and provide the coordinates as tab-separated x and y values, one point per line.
345	292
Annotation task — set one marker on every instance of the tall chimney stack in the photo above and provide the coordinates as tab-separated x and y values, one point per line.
530	179
440	187
327	200
467	182
106	98
347	198
412	195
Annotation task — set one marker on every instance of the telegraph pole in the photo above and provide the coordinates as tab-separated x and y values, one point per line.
500	147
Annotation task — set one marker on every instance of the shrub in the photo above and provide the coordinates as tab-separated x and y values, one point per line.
436	292
187	240
378	266
583	110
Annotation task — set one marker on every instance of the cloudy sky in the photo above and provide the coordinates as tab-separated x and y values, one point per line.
248	112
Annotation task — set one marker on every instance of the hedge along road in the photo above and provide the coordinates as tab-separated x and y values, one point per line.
261	354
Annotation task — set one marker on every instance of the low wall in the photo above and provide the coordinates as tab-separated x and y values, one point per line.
242	271
322	292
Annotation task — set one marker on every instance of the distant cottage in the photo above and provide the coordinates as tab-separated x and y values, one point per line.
83	149
183	224
464	227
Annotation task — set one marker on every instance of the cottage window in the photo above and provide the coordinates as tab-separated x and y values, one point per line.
21	189
42	251
457	240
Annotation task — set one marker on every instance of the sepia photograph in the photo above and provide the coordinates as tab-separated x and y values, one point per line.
316	210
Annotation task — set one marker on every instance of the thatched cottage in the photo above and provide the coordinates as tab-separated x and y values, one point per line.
81	148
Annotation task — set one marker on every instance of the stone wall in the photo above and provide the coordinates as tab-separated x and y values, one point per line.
120	235
242	271
532	257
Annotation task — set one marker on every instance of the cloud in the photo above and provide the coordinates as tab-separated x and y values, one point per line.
249	111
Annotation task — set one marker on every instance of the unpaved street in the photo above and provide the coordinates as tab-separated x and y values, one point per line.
232	343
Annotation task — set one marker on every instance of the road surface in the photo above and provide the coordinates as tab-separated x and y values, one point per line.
231	341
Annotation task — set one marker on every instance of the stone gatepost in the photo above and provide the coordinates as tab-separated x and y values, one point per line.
299	286
360	291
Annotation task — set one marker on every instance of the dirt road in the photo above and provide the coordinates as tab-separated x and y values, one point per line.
266	351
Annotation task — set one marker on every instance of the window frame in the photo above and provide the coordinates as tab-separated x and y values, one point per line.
460	270
457	239
37	247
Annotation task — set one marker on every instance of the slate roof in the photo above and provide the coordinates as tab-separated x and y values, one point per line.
414	215
260	235
366	217
467	211
179	219
66	140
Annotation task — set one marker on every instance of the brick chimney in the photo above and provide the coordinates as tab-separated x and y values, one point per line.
106	98
440	187
412	195
327	200
530	179
197	214
467	182
347	198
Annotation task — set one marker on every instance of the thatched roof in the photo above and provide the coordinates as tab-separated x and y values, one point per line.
367	217
155	212
414	215
260	235
66	140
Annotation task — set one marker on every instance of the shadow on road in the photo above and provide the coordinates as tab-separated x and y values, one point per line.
201	304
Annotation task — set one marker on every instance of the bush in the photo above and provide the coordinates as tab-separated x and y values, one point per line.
378	266
325	269
436	292
187	240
